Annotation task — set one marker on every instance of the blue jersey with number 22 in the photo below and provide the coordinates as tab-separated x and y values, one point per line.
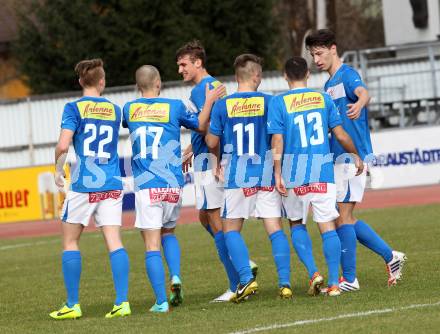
95	122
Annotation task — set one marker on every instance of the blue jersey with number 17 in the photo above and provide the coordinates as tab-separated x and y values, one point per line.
154	125
95	122
304	116
240	121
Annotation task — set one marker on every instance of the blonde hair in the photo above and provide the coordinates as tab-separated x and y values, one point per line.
146	77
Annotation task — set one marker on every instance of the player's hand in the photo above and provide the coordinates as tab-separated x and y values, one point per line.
214	94
280	186
219	173
187	159
359	164
354	110
60	179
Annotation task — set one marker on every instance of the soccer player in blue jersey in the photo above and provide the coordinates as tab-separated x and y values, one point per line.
92	123
299	121
191	60
154	124
238	121
351	97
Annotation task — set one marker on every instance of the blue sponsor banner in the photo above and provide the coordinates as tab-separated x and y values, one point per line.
413	157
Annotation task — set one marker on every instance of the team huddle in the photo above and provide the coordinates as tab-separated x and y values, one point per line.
253	154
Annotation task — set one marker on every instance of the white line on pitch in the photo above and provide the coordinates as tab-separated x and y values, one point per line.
342	316
27	244
45	242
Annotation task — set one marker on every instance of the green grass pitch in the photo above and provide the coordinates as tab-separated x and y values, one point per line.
31	285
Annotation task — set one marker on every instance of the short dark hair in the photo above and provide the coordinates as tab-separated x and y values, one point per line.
244	65
194	49
90	71
321	38
296	68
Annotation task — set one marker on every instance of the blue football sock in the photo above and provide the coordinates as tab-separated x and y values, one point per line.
223	254
332	252
281	255
120	268
71	263
347	236
171	251
209	229
303	247
156	274
370	239
239	255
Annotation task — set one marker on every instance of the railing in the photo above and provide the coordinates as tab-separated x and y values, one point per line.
404	82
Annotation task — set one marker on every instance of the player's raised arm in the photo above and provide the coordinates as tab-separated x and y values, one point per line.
212	95
355	109
212	139
345	140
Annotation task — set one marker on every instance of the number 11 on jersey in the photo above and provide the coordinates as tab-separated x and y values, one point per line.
250	129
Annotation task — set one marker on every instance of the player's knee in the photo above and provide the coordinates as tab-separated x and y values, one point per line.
344	219
167	231
70	244
294	223
203	217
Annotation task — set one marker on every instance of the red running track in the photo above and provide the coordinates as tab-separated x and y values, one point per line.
373	199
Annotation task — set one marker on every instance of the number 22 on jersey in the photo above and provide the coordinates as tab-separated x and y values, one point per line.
94	131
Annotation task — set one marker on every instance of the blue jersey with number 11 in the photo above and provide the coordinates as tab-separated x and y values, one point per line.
95	122
240	121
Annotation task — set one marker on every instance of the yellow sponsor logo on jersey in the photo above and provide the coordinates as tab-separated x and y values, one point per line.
97	110
303	101
245	107
217	83
155	112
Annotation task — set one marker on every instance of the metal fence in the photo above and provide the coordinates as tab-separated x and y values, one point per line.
404	83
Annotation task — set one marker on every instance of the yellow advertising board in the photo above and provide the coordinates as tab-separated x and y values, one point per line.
28	194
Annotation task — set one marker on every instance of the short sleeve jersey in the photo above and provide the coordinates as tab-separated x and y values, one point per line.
341	87
95	122
154	125
197	100
304	116
240	121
